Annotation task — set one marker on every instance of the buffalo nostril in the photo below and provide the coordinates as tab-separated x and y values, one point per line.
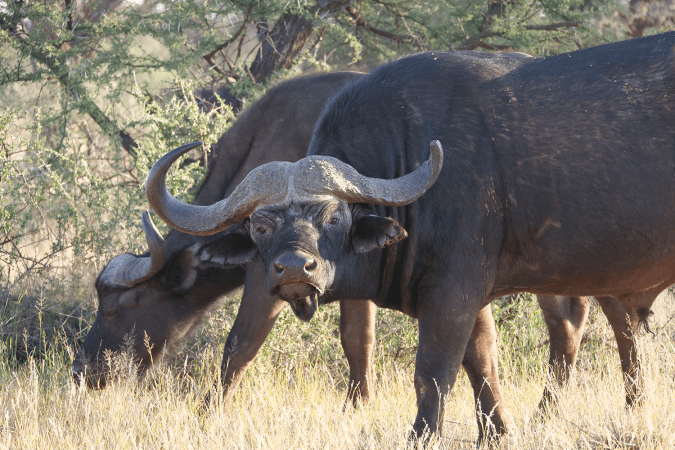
310	266
295	264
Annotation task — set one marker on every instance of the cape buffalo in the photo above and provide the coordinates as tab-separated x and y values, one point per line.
558	179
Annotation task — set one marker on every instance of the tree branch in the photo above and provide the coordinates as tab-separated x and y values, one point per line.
553	26
86	105
474	41
281	45
209	56
360	22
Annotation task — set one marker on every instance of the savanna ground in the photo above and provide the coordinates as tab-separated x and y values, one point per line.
293	394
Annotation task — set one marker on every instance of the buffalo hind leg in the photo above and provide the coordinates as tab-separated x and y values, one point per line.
480	364
565	319
624	321
357	334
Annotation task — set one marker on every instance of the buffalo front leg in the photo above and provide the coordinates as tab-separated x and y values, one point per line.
257	313
565	319
444	331
357	334
480	364
624	321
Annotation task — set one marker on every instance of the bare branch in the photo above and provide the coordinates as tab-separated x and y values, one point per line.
209	56
553	26
360	22
474	41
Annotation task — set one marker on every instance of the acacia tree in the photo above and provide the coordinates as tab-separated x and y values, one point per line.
91	52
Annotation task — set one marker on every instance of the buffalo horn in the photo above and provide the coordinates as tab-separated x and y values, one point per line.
276	182
332	176
261	185
129	270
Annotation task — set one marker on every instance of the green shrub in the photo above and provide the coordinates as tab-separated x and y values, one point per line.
56	205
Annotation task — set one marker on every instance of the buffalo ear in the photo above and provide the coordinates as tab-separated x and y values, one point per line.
224	252
371	232
127	300
227	251
182	270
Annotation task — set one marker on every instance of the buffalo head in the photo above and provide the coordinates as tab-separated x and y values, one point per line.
307	220
148	304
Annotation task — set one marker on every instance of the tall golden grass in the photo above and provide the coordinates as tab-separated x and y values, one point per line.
293	395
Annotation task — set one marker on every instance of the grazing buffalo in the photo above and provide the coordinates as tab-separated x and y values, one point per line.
558	179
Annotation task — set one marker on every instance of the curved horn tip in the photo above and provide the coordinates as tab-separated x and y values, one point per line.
165	161
436	152
152	234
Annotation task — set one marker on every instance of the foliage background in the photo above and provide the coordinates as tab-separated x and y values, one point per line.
94	91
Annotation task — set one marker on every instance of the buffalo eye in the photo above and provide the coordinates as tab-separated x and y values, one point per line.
334	221
110	313
261	230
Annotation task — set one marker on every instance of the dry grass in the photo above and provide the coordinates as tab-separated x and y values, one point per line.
296	402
